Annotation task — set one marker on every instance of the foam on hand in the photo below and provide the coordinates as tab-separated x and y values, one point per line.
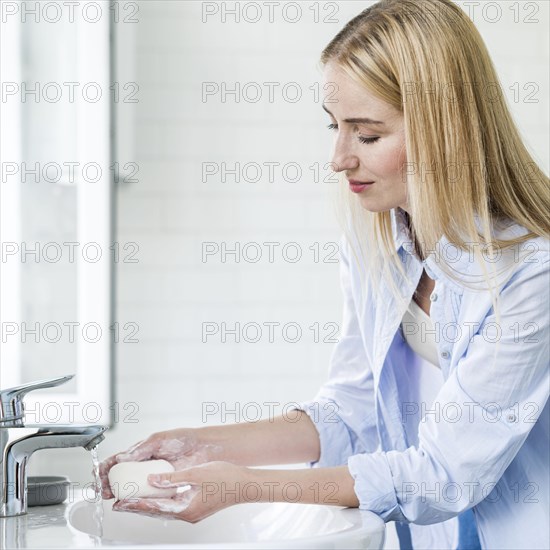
129	479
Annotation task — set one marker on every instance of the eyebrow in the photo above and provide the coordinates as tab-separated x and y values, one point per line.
357	120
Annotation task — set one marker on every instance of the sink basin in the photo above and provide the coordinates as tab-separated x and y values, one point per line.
257	525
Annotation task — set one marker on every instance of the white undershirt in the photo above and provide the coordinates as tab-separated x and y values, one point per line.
421	380
418	331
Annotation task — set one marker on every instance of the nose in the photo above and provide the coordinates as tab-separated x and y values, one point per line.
343	157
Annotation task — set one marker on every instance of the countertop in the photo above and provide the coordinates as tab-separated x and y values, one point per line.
42	527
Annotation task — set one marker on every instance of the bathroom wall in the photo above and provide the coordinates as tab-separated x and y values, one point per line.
165	286
176	374
171	377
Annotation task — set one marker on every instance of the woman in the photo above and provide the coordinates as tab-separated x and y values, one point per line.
436	407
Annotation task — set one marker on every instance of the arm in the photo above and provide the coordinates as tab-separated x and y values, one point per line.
285	439
308	486
282	440
217	485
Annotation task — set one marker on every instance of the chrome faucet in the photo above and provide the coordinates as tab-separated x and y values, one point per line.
19	441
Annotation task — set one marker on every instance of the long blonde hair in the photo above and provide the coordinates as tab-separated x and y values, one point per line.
463	136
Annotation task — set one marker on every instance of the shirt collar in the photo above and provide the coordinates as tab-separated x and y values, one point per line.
400	228
460	262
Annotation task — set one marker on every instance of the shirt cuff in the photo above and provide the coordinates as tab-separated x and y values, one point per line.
374	485
334	437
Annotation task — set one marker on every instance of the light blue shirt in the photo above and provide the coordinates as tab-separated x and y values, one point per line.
484	442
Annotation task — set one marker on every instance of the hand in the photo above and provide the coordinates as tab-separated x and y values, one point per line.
212	488
182	448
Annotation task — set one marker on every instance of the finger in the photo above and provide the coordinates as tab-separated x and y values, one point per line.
137	506
172	479
199	454
142	450
165	507
172	448
196	458
104	468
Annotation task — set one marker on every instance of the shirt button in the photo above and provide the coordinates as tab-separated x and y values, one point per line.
433	297
511	418
445	354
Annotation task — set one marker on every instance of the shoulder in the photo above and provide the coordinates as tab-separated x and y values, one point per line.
520	275
506	263
524	258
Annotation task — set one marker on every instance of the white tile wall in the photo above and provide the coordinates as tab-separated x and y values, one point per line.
170	373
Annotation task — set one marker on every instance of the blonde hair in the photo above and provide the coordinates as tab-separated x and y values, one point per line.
399	50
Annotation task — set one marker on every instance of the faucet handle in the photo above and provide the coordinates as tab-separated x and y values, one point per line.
12	410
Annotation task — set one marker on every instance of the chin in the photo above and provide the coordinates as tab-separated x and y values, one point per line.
374	206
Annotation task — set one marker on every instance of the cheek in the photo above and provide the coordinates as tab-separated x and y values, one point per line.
391	163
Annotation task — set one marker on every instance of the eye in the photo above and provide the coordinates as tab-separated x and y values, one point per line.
332	126
368	139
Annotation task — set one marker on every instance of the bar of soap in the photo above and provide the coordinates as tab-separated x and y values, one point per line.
129	479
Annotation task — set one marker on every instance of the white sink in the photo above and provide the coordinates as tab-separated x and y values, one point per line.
258	525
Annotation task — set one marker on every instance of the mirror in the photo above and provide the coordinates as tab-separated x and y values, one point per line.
56	197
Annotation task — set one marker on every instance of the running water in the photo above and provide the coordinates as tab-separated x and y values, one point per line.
98	511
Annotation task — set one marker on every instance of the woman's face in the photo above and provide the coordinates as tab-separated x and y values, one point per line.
365	150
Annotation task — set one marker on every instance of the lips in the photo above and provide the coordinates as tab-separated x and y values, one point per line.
358	186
